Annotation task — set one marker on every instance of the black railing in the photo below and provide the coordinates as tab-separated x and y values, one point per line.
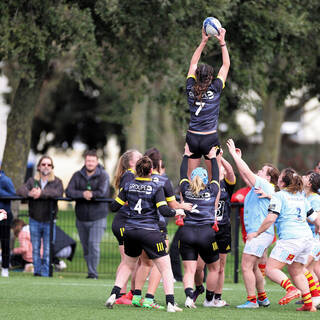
235	229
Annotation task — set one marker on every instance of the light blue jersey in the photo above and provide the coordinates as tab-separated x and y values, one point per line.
292	210
256	209
314	200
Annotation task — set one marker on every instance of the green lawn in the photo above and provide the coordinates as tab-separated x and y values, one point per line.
23	296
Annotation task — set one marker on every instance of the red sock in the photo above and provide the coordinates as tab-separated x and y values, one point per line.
307	299
287	285
252	299
312	286
262	268
262	295
318	286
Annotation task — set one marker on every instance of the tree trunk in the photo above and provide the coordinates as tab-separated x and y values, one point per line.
273	118
137	127
19	126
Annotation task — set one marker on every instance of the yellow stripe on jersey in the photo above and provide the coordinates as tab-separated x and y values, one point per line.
143	179
120	189
168	199
216	182
120	201
131	170
155	172
187	180
223	84
229	182
192	76
161	203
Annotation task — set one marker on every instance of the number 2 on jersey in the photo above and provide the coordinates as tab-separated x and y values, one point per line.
138	206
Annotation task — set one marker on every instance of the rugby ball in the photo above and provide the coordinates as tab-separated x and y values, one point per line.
211	26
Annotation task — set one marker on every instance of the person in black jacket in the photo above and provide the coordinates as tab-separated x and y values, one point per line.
85	186
45	185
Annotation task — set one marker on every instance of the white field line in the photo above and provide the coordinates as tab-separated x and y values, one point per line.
97	284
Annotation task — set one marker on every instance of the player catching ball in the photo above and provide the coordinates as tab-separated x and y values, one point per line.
203	92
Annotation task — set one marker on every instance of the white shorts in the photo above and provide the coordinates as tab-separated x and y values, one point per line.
316	249
292	250
257	245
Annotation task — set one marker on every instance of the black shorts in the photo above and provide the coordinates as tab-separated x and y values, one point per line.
198	240
201	144
223	238
118	228
151	241
163	229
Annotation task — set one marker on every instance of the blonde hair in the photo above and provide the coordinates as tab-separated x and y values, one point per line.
122	166
197	185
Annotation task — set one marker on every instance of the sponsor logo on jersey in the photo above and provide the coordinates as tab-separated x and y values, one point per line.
206	196
144	188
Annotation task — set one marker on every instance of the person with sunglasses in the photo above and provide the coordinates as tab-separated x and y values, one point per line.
43	186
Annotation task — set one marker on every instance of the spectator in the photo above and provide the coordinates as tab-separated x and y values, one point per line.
22	255
86	185
317	167
45	185
64	247
6	190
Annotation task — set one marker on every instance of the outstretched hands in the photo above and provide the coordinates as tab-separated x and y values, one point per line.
205	38
187	151
232	148
221	36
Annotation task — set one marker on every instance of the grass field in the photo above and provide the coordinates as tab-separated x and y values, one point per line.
24	297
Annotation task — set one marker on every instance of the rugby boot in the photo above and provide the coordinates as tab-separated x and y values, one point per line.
291	294
110	302
151	304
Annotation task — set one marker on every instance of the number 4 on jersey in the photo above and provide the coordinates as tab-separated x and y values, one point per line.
194	209
138	206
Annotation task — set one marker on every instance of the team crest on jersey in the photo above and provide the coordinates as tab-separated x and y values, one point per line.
290	257
155	179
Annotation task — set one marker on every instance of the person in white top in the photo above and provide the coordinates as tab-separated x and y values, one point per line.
289	209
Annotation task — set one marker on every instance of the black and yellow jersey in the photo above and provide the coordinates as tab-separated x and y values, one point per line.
203	209
144	197
204	113
224	207
128	176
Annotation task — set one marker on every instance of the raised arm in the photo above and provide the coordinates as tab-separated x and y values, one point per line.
197	54
229	175
245	172
214	165
223	72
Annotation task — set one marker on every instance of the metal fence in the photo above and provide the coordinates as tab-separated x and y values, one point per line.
109	252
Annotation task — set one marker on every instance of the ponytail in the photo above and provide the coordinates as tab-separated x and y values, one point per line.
197	185
143	167
204	76
122	166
